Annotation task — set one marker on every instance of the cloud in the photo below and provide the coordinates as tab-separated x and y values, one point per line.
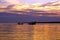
4	3
13	1
53	7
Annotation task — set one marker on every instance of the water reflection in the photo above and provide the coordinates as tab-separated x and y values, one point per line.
42	31
16	32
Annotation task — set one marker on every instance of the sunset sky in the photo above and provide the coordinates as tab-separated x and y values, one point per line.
17	5
7	2
31	7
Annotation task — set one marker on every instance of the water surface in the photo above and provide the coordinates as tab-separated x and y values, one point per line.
41	31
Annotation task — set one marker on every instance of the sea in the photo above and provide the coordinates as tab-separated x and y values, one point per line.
39	31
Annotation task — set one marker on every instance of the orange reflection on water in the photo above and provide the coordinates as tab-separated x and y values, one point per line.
14	31
47	32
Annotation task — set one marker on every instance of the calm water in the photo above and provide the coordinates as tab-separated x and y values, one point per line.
42	31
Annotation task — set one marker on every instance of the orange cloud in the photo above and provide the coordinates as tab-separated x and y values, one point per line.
3	8
53	7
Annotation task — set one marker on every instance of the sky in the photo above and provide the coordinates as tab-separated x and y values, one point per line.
8	2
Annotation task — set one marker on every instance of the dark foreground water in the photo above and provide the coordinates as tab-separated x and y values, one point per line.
42	31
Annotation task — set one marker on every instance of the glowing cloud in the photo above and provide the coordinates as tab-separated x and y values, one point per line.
21	7
49	7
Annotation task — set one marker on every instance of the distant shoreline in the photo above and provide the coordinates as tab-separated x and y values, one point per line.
30	22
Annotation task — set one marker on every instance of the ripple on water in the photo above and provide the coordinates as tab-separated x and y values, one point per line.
41	31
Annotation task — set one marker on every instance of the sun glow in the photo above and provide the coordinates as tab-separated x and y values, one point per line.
49	7
21	7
